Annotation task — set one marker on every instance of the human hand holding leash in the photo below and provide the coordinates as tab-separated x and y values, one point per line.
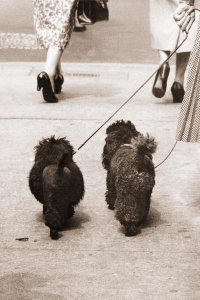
184	15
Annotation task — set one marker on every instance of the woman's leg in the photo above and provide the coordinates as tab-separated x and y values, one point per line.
58	78
181	65
59	68
77	23
78	26
177	88
163	56
160	82
53	63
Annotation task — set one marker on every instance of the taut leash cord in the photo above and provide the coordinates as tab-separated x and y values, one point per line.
176	141
144	83
168	155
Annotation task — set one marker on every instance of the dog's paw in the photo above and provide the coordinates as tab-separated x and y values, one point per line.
131	230
54	234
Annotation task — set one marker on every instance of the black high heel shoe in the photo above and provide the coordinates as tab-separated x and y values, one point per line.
162	75
177	92
58	81
44	83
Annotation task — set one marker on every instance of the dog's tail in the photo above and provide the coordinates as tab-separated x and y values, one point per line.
65	159
144	144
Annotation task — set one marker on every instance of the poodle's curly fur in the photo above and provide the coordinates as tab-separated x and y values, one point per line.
56	181
127	157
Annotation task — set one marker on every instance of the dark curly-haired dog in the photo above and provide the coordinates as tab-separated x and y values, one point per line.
56	181
127	157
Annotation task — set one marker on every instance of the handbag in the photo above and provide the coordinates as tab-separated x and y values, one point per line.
92	11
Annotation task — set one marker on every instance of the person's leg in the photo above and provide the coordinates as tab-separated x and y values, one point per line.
177	88
160	82
163	55
58	78
59	68
53	63
181	65
78	26
46	79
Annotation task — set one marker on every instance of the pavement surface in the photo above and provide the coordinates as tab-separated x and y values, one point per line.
119	40
93	259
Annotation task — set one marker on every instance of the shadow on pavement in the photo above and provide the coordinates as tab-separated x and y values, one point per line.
24	285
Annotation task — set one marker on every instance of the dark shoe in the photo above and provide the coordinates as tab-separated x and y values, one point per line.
80	28
44	83
58	81
177	92
162	75
54	234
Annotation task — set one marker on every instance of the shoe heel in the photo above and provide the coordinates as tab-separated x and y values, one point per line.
58	82
178	92
165	71
162	74
39	84
43	81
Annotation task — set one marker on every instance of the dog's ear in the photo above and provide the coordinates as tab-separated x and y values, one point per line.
105	161
106	164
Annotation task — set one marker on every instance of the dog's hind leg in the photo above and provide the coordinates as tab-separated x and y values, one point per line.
111	191
146	207
54	234
35	182
127	211
130	229
52	217
70	211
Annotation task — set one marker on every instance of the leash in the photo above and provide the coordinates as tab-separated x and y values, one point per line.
168	155
140	87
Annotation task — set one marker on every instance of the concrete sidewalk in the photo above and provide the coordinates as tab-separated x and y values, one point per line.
118	40
93	259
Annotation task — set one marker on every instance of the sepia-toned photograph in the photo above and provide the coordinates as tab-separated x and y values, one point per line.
100	149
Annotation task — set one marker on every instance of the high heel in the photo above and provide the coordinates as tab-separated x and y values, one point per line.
177	92
44	83
58	81
162	75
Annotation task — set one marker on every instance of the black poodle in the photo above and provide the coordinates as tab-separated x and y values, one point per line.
56	181
127	157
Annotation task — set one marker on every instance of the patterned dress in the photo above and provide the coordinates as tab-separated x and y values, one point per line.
188	129
54	21
189	119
